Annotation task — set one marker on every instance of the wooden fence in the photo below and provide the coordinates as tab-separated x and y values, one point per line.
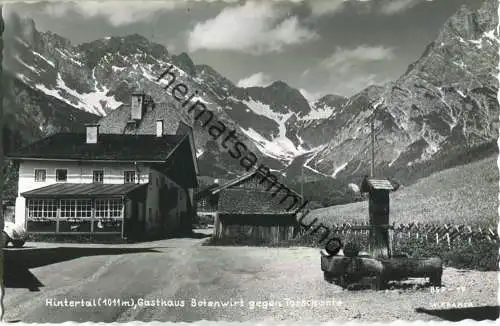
417	231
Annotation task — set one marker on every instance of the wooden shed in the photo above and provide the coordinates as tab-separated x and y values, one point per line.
246	210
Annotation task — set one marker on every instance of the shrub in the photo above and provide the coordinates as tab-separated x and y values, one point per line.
479	255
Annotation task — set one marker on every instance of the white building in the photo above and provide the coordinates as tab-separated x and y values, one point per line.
134	186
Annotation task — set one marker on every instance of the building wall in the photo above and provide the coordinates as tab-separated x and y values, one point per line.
113	174
255	233
77	173
171	221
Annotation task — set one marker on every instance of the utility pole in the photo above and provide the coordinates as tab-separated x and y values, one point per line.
372	134
302	184
2	179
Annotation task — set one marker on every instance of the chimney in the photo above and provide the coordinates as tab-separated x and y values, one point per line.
149	103
159	128
92	133
137	105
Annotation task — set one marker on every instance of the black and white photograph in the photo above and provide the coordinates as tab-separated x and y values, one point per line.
261	161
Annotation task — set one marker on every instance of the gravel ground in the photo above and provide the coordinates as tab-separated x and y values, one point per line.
259	283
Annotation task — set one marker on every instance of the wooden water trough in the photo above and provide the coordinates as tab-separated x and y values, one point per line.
379	264
344	270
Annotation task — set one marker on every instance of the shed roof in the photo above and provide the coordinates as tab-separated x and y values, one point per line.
251	202
380	184
233	182
254	173
83	190
73	146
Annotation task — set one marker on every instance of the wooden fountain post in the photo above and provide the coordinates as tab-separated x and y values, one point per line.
380	245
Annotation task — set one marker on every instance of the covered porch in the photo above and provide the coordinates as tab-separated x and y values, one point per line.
86	209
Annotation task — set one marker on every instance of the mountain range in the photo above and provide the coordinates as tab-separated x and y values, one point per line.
443	106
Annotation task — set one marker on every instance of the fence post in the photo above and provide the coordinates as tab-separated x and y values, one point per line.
437	238
458	233
469	236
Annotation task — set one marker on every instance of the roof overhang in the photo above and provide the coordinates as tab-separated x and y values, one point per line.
382	184
89	190
19	158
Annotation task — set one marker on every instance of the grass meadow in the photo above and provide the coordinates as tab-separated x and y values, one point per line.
465	194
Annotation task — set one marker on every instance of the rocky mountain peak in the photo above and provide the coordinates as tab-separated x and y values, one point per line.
55	41
122	46
23	28
184	62
281	97
469	24
330	100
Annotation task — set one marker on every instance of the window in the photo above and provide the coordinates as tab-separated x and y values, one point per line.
203	203
61	175
108	208
98	176
76	209
150	180
40	175
42	209
129	176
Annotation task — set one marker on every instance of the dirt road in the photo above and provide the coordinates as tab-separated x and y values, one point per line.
175	274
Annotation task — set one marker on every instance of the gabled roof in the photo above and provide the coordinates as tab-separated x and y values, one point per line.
200	193
380	184
116	121
185	129
83	189
109	147
376	184
235	181
246	176
252	202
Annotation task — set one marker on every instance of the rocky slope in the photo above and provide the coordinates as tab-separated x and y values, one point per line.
444	103
99	77
29	115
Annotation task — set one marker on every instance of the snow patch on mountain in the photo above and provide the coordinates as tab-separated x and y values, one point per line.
316	114
43	58
263	109
27	65
92	102
488	36
337	170
280	148
492	35
68	56
306	163
117	69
